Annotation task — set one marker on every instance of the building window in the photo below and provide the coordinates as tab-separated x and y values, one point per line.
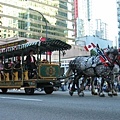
4	35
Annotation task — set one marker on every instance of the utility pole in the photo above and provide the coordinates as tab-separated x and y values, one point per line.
89	15
43	18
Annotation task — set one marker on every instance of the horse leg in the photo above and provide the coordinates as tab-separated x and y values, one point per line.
93	90
114	89
101	92
82	87
114	92
88	83
110	88
69	84
72	89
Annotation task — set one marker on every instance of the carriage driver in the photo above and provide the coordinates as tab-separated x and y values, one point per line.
31	64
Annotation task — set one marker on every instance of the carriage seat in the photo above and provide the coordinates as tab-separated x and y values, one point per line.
15	76
25	74
6	76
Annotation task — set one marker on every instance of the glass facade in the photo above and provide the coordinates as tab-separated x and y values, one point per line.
118	15
35	19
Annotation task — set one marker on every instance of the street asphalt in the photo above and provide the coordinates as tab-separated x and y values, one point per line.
16	105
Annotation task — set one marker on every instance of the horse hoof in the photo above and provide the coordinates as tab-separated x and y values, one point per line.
81	94
109	94
71	93
94	93
115	94
102	95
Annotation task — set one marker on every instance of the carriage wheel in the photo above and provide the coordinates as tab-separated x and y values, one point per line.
48	90
4	90
29	91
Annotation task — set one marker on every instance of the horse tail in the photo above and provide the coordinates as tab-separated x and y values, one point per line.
68	72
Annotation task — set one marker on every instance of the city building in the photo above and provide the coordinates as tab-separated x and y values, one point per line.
87	25
87	40
83	18
100	29
36	18
118	15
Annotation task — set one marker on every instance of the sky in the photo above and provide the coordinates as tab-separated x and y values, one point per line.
106	10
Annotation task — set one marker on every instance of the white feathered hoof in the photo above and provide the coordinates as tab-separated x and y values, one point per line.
110	94
94	93
115	93
101	94
71	93
81	94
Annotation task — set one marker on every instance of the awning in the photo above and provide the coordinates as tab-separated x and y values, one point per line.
43	46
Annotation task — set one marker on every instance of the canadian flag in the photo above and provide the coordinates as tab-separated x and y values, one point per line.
89	47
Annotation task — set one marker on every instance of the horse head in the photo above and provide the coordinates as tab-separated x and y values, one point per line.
118	62
112	55
118	58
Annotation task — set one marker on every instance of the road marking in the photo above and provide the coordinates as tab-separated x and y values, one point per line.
24	99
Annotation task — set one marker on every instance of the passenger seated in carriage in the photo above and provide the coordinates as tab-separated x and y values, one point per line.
8	66
17	67
31	64
44	61
1	68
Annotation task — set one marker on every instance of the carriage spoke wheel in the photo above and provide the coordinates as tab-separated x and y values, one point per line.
48	90
29	91
4	90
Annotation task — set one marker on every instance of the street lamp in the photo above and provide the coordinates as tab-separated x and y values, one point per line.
43	18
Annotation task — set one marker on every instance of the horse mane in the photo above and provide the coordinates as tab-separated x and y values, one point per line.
113	51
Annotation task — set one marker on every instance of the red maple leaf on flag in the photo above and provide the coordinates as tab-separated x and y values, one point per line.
89	47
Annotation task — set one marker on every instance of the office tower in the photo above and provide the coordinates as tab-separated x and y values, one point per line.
36	18
83	18
118	15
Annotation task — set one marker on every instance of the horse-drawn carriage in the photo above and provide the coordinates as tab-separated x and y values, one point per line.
47	73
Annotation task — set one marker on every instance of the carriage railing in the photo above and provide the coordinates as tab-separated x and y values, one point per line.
10	72
24	72
39	47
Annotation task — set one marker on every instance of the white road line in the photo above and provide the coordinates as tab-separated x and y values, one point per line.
24	99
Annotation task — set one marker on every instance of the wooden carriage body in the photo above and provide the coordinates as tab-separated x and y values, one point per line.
47	71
